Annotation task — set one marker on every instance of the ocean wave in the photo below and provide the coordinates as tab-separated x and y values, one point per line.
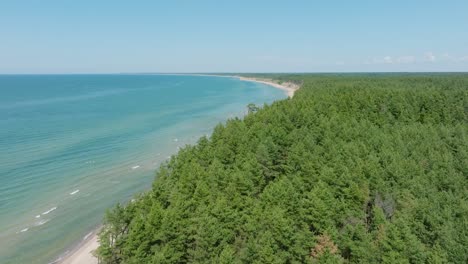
41	222
50	210
74	192
87	235
37	216
56	261
135	167
59	259
24	230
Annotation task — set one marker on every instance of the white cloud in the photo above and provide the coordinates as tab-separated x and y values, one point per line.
387	60
406	59
429	56
447	56
464	58
450	58
384	60
392	60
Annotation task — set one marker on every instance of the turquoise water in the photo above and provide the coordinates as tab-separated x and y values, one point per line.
73	145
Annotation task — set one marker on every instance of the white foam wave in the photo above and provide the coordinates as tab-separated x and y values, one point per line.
135	167
42	222
74	192
37	216
24	230
50	210
56	261
87	235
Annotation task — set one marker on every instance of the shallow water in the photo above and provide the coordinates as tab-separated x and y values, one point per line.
73	145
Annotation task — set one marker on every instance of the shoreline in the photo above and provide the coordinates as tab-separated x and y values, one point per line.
82	253
288	87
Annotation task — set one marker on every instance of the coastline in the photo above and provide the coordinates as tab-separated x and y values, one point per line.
82	253
288	87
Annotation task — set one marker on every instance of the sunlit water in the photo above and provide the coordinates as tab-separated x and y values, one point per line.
73	145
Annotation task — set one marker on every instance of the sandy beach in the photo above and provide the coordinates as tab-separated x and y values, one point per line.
83	254
288	87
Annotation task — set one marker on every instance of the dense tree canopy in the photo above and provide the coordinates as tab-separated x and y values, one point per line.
352	169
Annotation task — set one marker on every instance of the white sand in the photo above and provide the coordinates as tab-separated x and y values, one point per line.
288	87
83	255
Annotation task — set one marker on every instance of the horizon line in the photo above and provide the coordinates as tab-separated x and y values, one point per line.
230	73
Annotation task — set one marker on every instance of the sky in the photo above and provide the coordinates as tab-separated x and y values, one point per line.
88	36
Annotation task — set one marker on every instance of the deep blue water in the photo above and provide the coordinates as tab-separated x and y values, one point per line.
73	145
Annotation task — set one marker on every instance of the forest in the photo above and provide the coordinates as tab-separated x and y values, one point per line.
355	168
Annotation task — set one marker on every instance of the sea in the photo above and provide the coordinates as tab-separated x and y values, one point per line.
72	146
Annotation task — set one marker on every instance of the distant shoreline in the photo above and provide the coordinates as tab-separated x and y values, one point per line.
288	87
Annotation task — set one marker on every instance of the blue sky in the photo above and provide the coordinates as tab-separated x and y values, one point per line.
68	36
